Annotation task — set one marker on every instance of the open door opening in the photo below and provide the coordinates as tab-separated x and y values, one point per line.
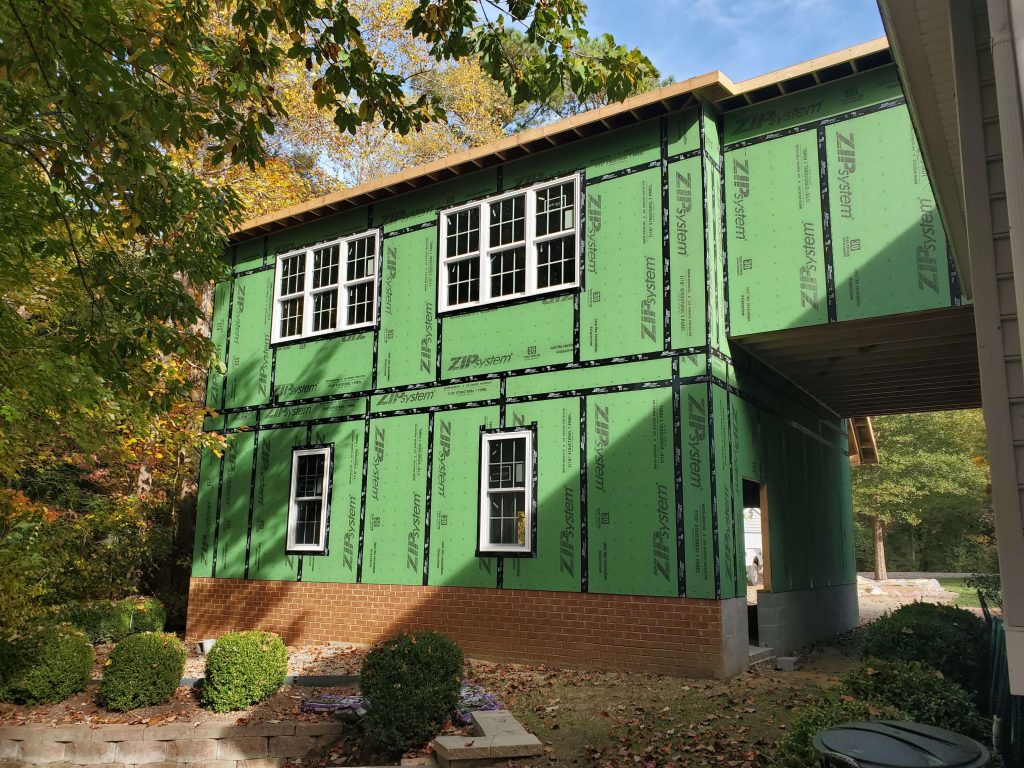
755	545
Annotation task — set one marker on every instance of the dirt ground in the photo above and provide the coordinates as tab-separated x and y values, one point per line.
601	719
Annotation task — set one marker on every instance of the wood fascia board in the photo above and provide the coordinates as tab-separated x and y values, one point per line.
902	26
780	76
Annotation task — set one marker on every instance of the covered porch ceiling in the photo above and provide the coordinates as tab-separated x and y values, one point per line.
920	361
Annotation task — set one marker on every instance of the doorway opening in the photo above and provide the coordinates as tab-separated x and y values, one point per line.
755	548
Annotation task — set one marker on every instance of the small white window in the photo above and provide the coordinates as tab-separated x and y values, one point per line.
506	492
517	244
329	287
307	503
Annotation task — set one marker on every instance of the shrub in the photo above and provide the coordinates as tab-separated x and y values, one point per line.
44	665
142	670
920	691
797	748
412	681
109	621
243	668
951	639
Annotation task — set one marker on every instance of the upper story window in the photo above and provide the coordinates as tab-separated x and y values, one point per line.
516	244
329	287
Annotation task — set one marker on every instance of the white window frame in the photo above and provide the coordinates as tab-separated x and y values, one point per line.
308	291
484	545
530	242
291	546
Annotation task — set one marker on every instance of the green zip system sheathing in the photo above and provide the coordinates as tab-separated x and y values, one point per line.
829	212
693	226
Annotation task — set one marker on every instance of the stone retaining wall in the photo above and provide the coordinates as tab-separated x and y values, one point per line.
196	745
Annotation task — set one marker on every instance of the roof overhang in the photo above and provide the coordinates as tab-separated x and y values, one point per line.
714	87
919	33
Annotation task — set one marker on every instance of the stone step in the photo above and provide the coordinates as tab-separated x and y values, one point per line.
496	736
495	723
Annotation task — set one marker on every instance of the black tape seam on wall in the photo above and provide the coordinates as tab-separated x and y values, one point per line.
826	228
608	361
814	125
707	328
362	493
227	349
502	394
584	536
437	306
724	240
216	519
272	395
411	228
716	559
266	251
683	155
378	288
677	459
599	390
427	500
611	175
252	493
666	261
738	544
718	163
718	266
581	268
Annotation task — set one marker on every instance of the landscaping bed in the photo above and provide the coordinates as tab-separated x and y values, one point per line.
185	706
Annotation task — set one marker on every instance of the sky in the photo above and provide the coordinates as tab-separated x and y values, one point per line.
742	38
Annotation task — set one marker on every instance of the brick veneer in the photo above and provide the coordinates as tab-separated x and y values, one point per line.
673	635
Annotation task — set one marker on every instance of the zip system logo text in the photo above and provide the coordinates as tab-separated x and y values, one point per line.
602	434
809	269
927	251
741	191
846	155
470	362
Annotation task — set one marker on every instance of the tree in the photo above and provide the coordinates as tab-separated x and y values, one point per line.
105	231
932	467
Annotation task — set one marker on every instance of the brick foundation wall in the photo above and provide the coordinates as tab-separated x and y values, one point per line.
673	635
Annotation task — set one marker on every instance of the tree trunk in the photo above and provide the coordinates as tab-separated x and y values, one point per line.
881	573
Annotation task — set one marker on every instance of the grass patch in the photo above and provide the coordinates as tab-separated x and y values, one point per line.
966	597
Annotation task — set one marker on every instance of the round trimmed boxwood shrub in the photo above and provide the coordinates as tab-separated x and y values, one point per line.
412	682
142	670
797	748
110	621
243	668
44	665
919	691
950	639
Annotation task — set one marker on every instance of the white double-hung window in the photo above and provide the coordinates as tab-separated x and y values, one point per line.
507	474
516	244
308	500
326	288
